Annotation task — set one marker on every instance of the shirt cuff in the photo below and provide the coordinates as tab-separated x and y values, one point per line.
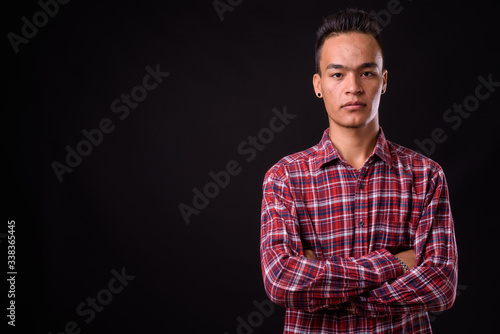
383	263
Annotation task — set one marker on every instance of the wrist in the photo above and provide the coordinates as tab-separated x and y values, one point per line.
403	264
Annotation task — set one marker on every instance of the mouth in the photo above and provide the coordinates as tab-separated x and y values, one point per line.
354	105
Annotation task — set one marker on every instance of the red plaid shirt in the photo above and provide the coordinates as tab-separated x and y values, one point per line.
354	221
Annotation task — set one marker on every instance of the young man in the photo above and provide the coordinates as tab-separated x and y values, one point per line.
357	234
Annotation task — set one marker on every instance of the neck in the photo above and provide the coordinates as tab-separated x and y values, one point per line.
355	145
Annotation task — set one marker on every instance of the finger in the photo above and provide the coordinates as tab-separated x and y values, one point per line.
310	254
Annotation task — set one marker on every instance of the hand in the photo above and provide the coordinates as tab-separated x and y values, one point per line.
310	254
408	257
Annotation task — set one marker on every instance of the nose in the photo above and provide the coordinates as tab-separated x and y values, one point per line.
352	85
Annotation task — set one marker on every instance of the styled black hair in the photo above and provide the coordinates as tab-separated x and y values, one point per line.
346	21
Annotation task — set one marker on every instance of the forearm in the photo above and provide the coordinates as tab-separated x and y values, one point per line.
300	283
425	288
429	286
422	289
293	281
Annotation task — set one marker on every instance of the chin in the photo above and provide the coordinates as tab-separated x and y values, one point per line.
351	123
356	123
355	126
357	120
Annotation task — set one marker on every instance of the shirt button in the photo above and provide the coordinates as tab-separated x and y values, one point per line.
361	224
361	185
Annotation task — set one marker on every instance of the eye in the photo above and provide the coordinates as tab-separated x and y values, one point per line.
367	74
336	75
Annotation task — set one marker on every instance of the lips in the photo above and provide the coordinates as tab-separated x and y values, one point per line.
354	105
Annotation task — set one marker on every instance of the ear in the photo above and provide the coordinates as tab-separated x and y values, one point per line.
317	84
384	80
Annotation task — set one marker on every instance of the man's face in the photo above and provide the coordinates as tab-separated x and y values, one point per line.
351	79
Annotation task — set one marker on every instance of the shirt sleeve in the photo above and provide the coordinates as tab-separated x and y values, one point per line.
293	281
431	284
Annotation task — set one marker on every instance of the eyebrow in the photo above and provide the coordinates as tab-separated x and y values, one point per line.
340	66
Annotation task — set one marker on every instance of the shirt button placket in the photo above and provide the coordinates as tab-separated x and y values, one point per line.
361	186
360	215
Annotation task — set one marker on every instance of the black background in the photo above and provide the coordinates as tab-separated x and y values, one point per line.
119	207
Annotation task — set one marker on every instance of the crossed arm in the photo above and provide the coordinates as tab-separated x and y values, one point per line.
407	256
371	285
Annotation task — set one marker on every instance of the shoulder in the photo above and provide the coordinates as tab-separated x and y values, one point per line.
296	164
420	166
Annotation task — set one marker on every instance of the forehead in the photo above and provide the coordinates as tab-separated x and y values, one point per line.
350	49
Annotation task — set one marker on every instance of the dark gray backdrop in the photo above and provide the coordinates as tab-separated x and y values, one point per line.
111	229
